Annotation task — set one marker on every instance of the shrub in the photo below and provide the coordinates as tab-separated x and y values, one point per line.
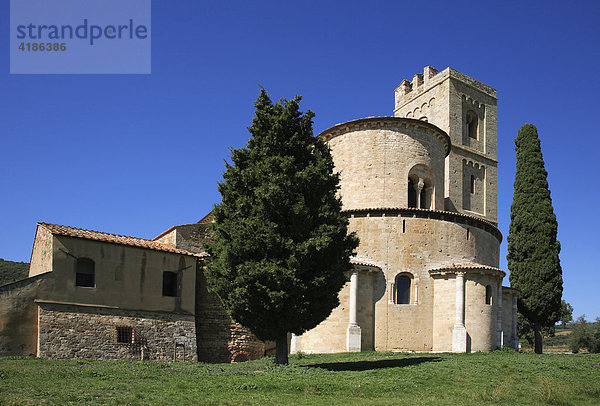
585	335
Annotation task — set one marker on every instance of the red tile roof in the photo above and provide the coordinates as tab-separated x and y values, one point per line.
364	262
115	239
207	219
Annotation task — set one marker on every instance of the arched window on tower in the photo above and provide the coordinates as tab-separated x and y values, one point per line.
488	294
420	187
85	273
403	284
471	125
420	193
412	193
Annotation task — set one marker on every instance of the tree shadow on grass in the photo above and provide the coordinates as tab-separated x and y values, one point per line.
379	364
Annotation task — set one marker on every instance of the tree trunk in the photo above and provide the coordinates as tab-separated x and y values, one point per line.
281	350
537	332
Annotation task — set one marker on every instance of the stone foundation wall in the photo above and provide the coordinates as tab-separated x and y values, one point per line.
81	332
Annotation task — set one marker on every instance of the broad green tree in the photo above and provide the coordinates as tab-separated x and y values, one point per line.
585	335
525	328
281	248
566	313
526	333
532	245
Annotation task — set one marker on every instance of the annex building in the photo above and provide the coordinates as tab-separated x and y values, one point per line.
420	191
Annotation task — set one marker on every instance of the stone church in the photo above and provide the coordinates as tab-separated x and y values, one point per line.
420	192
419	189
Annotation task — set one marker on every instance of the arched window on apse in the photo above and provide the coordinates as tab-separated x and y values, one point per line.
403	286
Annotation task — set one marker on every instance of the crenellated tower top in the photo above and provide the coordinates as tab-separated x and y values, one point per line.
466	110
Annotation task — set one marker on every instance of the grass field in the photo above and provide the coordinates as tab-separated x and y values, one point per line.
501	377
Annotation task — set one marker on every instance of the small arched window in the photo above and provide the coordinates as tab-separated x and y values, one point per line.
471	124
488	294
85	273
403	289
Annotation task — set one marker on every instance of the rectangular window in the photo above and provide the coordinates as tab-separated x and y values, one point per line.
124	334
85	273
488	294
170	284
472	184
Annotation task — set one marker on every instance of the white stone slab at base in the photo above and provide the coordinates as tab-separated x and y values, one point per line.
459	339
353	338
295	344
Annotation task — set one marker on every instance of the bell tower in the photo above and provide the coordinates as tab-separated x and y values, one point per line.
466	109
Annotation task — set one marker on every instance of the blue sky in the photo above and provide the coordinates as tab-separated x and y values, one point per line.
136	154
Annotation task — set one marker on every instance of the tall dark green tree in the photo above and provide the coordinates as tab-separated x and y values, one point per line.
532	245
282	246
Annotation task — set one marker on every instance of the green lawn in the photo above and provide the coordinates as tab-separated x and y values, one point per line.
502	377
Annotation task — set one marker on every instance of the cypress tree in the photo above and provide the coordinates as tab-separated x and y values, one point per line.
532	245
281	244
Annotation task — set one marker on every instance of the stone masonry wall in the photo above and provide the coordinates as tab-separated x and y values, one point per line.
18	316
414	245
407	244
444	312
192	237
481	318
41	255
374	160
443	99
330	335
78	332
220	339
508	318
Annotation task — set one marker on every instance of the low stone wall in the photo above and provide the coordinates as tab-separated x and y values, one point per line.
83	332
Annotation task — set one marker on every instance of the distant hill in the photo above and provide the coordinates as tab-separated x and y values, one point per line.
12	271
